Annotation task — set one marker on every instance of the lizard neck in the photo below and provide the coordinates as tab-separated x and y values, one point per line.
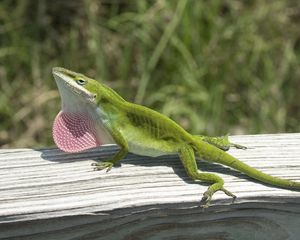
110	107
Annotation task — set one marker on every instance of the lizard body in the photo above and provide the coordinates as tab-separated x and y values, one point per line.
94	114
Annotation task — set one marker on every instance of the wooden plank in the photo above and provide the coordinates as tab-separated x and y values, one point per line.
47	194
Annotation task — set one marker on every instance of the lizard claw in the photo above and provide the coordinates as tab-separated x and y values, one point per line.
103	165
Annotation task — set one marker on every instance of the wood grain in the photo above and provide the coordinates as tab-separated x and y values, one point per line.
48	194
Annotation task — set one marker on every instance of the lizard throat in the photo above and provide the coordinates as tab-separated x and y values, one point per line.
75	132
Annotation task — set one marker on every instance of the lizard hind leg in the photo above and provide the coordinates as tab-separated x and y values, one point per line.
187	156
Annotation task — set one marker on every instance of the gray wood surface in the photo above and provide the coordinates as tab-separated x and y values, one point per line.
48	194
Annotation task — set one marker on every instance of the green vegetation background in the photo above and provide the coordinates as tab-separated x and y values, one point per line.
215	66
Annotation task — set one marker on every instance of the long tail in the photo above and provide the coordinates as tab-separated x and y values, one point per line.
213	154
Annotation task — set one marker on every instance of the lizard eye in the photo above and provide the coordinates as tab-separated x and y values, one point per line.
81	81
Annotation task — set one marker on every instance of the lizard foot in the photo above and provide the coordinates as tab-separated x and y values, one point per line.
207	196
237	146
228	193
103	165
230	144
205	201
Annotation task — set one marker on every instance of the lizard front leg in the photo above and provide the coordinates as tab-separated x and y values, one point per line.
123	144
187	156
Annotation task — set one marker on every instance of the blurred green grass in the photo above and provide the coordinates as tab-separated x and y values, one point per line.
215	67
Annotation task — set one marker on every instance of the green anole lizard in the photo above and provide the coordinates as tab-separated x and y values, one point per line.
93	114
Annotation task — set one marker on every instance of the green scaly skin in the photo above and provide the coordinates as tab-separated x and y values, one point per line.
143	131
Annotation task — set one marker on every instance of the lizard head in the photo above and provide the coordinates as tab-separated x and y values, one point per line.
77	84
79	124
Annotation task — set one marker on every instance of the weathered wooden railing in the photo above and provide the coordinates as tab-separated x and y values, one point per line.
48	194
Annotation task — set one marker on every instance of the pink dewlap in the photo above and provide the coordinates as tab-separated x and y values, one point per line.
74	132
